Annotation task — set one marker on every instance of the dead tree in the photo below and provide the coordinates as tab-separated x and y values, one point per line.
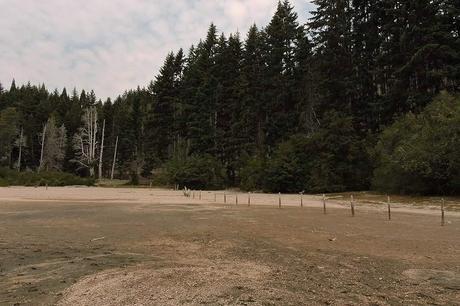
20	144
43	136
114	158
102	150
85	142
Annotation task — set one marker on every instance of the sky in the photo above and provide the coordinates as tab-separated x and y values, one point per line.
110	46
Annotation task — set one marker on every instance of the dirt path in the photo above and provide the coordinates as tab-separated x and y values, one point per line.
86	246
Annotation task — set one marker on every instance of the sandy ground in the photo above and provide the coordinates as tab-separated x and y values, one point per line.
101	246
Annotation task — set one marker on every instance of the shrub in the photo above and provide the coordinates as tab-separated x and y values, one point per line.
10	177
196	172
332	159
419	154
252	174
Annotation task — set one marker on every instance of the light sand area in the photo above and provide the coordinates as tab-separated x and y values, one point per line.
363	201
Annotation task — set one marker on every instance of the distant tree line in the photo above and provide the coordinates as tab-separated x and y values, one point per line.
343	102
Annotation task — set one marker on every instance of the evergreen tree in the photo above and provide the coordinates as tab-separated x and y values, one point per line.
251	92
199	95
282	37
162	126
228	106
330	27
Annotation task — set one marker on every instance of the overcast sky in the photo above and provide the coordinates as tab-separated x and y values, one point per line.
112	45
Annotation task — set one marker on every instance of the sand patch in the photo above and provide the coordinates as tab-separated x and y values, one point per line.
218	283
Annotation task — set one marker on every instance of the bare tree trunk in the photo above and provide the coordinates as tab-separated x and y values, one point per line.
102	150
20	148
43	147
114	158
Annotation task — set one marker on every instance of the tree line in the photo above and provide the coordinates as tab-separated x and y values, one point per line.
288	107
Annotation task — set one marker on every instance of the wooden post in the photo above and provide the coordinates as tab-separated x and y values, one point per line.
200	194
352	206
236	199
324	204
279	199
215	197
249	199
389	208
443	221
46	186
225	198
301	199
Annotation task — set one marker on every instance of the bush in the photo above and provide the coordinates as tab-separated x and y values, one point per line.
332	159
195	172
419	154
10	177
252	174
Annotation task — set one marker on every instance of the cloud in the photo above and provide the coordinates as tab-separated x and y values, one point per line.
112	45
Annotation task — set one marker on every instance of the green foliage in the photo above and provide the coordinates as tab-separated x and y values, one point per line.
253	174
13	178
195	172
8	132
332	159
419	153
289	170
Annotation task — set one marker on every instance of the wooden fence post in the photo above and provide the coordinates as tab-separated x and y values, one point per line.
352	206
389	208
249	199
279	199
225	198
236	199
200	194
215	197
324	204
443	221
301	199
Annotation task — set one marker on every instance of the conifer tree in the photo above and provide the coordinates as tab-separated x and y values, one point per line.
282	37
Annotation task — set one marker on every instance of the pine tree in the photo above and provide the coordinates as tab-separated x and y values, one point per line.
251	92
330	27
161	123
228	105
282	37
199	95
418	54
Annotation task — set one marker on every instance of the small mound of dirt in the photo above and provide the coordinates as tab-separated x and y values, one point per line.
446	279
221	284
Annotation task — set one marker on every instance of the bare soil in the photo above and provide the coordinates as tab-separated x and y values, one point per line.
103	246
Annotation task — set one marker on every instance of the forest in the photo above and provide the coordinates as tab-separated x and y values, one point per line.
365	95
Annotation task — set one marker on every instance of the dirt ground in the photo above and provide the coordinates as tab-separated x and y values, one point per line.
101	246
